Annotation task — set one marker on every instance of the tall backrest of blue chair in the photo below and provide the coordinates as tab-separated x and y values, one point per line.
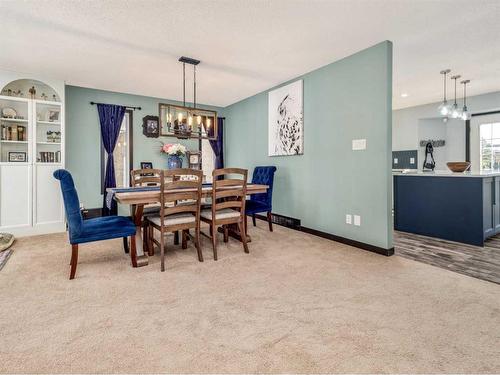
71	202
264	176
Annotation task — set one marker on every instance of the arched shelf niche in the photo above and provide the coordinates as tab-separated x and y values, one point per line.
30	89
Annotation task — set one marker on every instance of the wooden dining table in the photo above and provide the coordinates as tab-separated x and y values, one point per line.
137	198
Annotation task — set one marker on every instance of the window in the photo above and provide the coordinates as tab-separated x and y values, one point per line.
207	160
489	138
122	154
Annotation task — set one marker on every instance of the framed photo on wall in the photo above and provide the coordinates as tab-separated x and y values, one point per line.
151	126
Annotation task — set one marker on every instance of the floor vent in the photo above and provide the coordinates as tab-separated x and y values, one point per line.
284	221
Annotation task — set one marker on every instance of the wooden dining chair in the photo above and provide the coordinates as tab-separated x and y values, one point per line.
228	204
179	208
142	178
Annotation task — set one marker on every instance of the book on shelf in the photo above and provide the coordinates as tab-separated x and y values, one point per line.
13	133
49	157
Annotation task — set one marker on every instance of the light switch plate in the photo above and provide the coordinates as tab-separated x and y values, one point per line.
359	144
412	160
395	160
357	220
348	219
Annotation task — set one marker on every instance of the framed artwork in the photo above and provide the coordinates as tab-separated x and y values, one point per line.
52	115
151	126
286	123
17	157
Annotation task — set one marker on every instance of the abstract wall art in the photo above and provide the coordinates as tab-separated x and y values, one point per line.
286	123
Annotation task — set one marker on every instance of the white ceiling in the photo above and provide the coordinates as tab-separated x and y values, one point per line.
248	46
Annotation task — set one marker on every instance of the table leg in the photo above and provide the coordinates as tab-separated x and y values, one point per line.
137	255
234	232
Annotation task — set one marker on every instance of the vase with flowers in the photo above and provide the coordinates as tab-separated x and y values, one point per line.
174	151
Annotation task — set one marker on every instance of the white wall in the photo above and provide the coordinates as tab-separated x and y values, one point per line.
405	122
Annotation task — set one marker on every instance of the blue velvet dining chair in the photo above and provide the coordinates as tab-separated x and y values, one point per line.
262	202
97	229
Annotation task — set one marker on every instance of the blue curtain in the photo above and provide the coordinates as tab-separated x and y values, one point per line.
110	117
218	145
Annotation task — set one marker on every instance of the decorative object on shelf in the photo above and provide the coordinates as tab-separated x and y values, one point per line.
194	159
44	96
57	136
151	126
458	166
286	126
52	115
8	112
17	157
187	122
13	133
32	92
434	143
174	152
54	97
465	111
429	163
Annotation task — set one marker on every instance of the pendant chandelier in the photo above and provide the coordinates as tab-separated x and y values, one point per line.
185	121
453	111
444	108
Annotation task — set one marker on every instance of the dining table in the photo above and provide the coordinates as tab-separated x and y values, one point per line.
139	197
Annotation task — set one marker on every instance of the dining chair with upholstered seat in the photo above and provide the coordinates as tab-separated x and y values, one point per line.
91	230
142	178
180	199
262	202
228	204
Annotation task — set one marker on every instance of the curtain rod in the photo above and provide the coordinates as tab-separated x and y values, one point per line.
127	106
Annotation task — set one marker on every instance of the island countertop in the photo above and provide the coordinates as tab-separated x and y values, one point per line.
446	173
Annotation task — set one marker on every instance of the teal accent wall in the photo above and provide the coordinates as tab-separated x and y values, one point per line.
348	99
83	137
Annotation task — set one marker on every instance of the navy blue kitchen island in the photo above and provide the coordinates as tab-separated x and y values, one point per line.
461	207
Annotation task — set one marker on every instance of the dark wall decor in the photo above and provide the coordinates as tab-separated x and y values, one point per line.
151	126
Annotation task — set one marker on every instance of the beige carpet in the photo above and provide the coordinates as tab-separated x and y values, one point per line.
296	303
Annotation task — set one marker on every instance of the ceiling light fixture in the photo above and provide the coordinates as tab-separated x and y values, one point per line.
465	112
444	108
455	111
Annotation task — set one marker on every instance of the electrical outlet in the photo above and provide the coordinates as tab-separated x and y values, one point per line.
348	219
395	160
412	160
357	220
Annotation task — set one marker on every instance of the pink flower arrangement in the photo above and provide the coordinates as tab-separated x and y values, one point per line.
173	149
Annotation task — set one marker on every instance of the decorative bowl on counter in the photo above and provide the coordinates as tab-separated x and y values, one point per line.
458	166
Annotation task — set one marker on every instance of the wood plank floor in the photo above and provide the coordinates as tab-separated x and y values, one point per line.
479	262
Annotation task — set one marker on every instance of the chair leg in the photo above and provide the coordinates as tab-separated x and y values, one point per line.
184	239
243	236
226	233
270	221
253	220
246	223
125	245
133	251
198	245
162	250
151	244
149	248
74	261
213	231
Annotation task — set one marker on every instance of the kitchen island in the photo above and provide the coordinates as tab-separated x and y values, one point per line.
461	207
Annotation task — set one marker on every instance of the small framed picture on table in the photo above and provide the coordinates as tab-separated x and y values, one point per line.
147	165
